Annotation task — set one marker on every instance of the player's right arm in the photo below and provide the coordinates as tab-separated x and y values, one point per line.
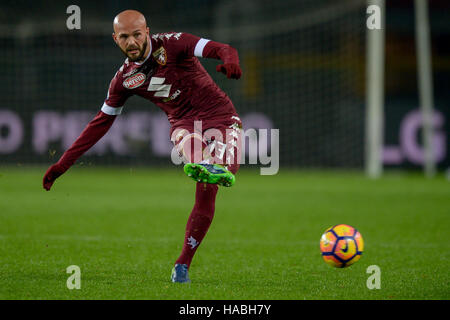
92	133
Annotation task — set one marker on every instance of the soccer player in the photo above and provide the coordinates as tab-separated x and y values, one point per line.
205	128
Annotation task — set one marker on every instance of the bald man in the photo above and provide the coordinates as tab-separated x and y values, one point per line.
205	127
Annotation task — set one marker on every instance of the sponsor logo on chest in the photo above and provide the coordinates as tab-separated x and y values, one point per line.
134	81
130	73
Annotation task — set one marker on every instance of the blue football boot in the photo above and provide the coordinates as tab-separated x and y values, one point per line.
180	273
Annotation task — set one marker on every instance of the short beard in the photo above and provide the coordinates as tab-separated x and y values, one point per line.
141	52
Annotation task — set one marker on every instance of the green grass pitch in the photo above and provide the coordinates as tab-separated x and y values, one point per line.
124	228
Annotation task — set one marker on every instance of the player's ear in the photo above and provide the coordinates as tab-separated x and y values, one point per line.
114	37
147	30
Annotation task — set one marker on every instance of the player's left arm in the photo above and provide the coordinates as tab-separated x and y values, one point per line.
92	133
205	48
227	54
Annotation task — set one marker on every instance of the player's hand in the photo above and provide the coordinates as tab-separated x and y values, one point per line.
51	175
232	70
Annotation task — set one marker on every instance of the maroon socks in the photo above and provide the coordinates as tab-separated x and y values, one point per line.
199	221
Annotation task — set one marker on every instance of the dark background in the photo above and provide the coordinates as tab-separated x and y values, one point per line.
303	63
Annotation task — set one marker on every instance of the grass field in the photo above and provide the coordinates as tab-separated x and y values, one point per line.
124	228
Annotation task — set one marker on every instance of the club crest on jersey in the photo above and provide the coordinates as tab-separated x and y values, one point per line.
160	56
134	81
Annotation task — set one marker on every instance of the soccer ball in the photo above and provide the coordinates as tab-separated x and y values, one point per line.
341	245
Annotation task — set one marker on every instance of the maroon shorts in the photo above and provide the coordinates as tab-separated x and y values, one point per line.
220	139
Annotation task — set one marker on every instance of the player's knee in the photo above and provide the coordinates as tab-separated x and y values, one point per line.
191	147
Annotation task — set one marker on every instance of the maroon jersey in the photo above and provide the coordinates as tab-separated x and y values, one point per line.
173	78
